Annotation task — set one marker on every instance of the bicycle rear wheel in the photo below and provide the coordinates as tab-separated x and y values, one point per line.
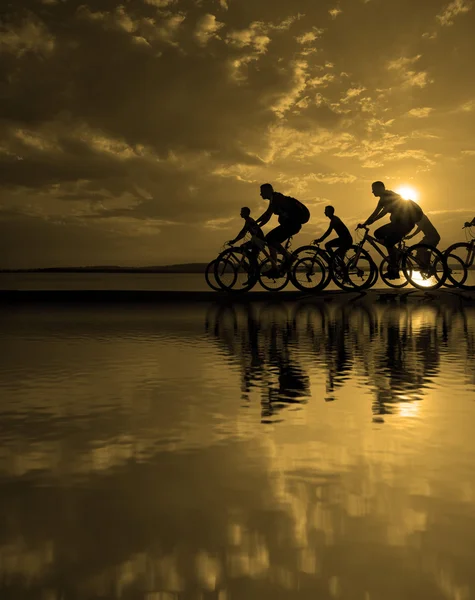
273	284
424	267
361	271
457	272
210	278
310	251
393	283
234	271
309	274
464	252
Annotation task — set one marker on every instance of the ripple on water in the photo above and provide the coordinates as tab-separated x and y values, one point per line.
243	451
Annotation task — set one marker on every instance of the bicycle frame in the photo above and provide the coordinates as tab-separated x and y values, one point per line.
367	237
471	254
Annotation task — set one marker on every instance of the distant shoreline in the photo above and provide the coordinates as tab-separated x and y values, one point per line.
181	268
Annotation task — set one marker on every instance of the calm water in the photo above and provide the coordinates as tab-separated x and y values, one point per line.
260	452
124	281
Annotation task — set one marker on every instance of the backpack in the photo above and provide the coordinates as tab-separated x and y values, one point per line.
303	211
300	211
412	211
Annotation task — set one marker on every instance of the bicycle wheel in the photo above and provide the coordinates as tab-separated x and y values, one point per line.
424	267
210	278
273	284
309	274
310	251
465	252
457	272
361	271
234	271
392	283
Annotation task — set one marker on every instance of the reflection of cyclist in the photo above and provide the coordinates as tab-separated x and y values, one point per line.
292	215
403	213
343	242
470	223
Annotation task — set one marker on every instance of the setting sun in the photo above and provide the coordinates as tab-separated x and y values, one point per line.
408	193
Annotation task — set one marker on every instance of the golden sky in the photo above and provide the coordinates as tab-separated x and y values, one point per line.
132	133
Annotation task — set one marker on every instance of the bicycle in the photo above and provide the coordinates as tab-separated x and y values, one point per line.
459	259
321	264
422	265
237	269
209	276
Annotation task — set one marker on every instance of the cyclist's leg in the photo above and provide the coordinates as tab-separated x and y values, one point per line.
274	240
423	255
391	234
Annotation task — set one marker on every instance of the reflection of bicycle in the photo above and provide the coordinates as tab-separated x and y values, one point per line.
459	259
422	265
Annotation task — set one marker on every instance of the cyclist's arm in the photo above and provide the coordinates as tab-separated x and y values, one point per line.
377	214
326	234
418	230
264	218
239	236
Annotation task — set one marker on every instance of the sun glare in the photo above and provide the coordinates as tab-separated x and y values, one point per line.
408	193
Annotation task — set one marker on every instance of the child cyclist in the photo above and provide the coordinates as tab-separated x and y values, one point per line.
343	242
250	226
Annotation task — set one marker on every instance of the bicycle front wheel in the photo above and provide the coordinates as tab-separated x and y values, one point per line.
234	271
424	267
465	254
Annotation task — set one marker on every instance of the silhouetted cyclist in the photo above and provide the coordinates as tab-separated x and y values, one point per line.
404	214
292	215
251	227
343	242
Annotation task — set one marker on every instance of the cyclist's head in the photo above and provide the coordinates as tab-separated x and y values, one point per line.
266	191
329	211
377	188
245	212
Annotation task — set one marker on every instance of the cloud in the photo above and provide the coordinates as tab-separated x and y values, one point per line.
468	106
206	28
31	35
409	77
309	36
420	113
334	12
453	9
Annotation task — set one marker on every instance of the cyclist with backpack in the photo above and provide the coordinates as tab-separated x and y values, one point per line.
404	214
292	214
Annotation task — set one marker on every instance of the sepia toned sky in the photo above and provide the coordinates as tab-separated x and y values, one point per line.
132	132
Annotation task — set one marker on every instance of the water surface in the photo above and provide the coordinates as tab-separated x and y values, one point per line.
300	450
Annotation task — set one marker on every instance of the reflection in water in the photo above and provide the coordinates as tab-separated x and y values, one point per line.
133	461
395	349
